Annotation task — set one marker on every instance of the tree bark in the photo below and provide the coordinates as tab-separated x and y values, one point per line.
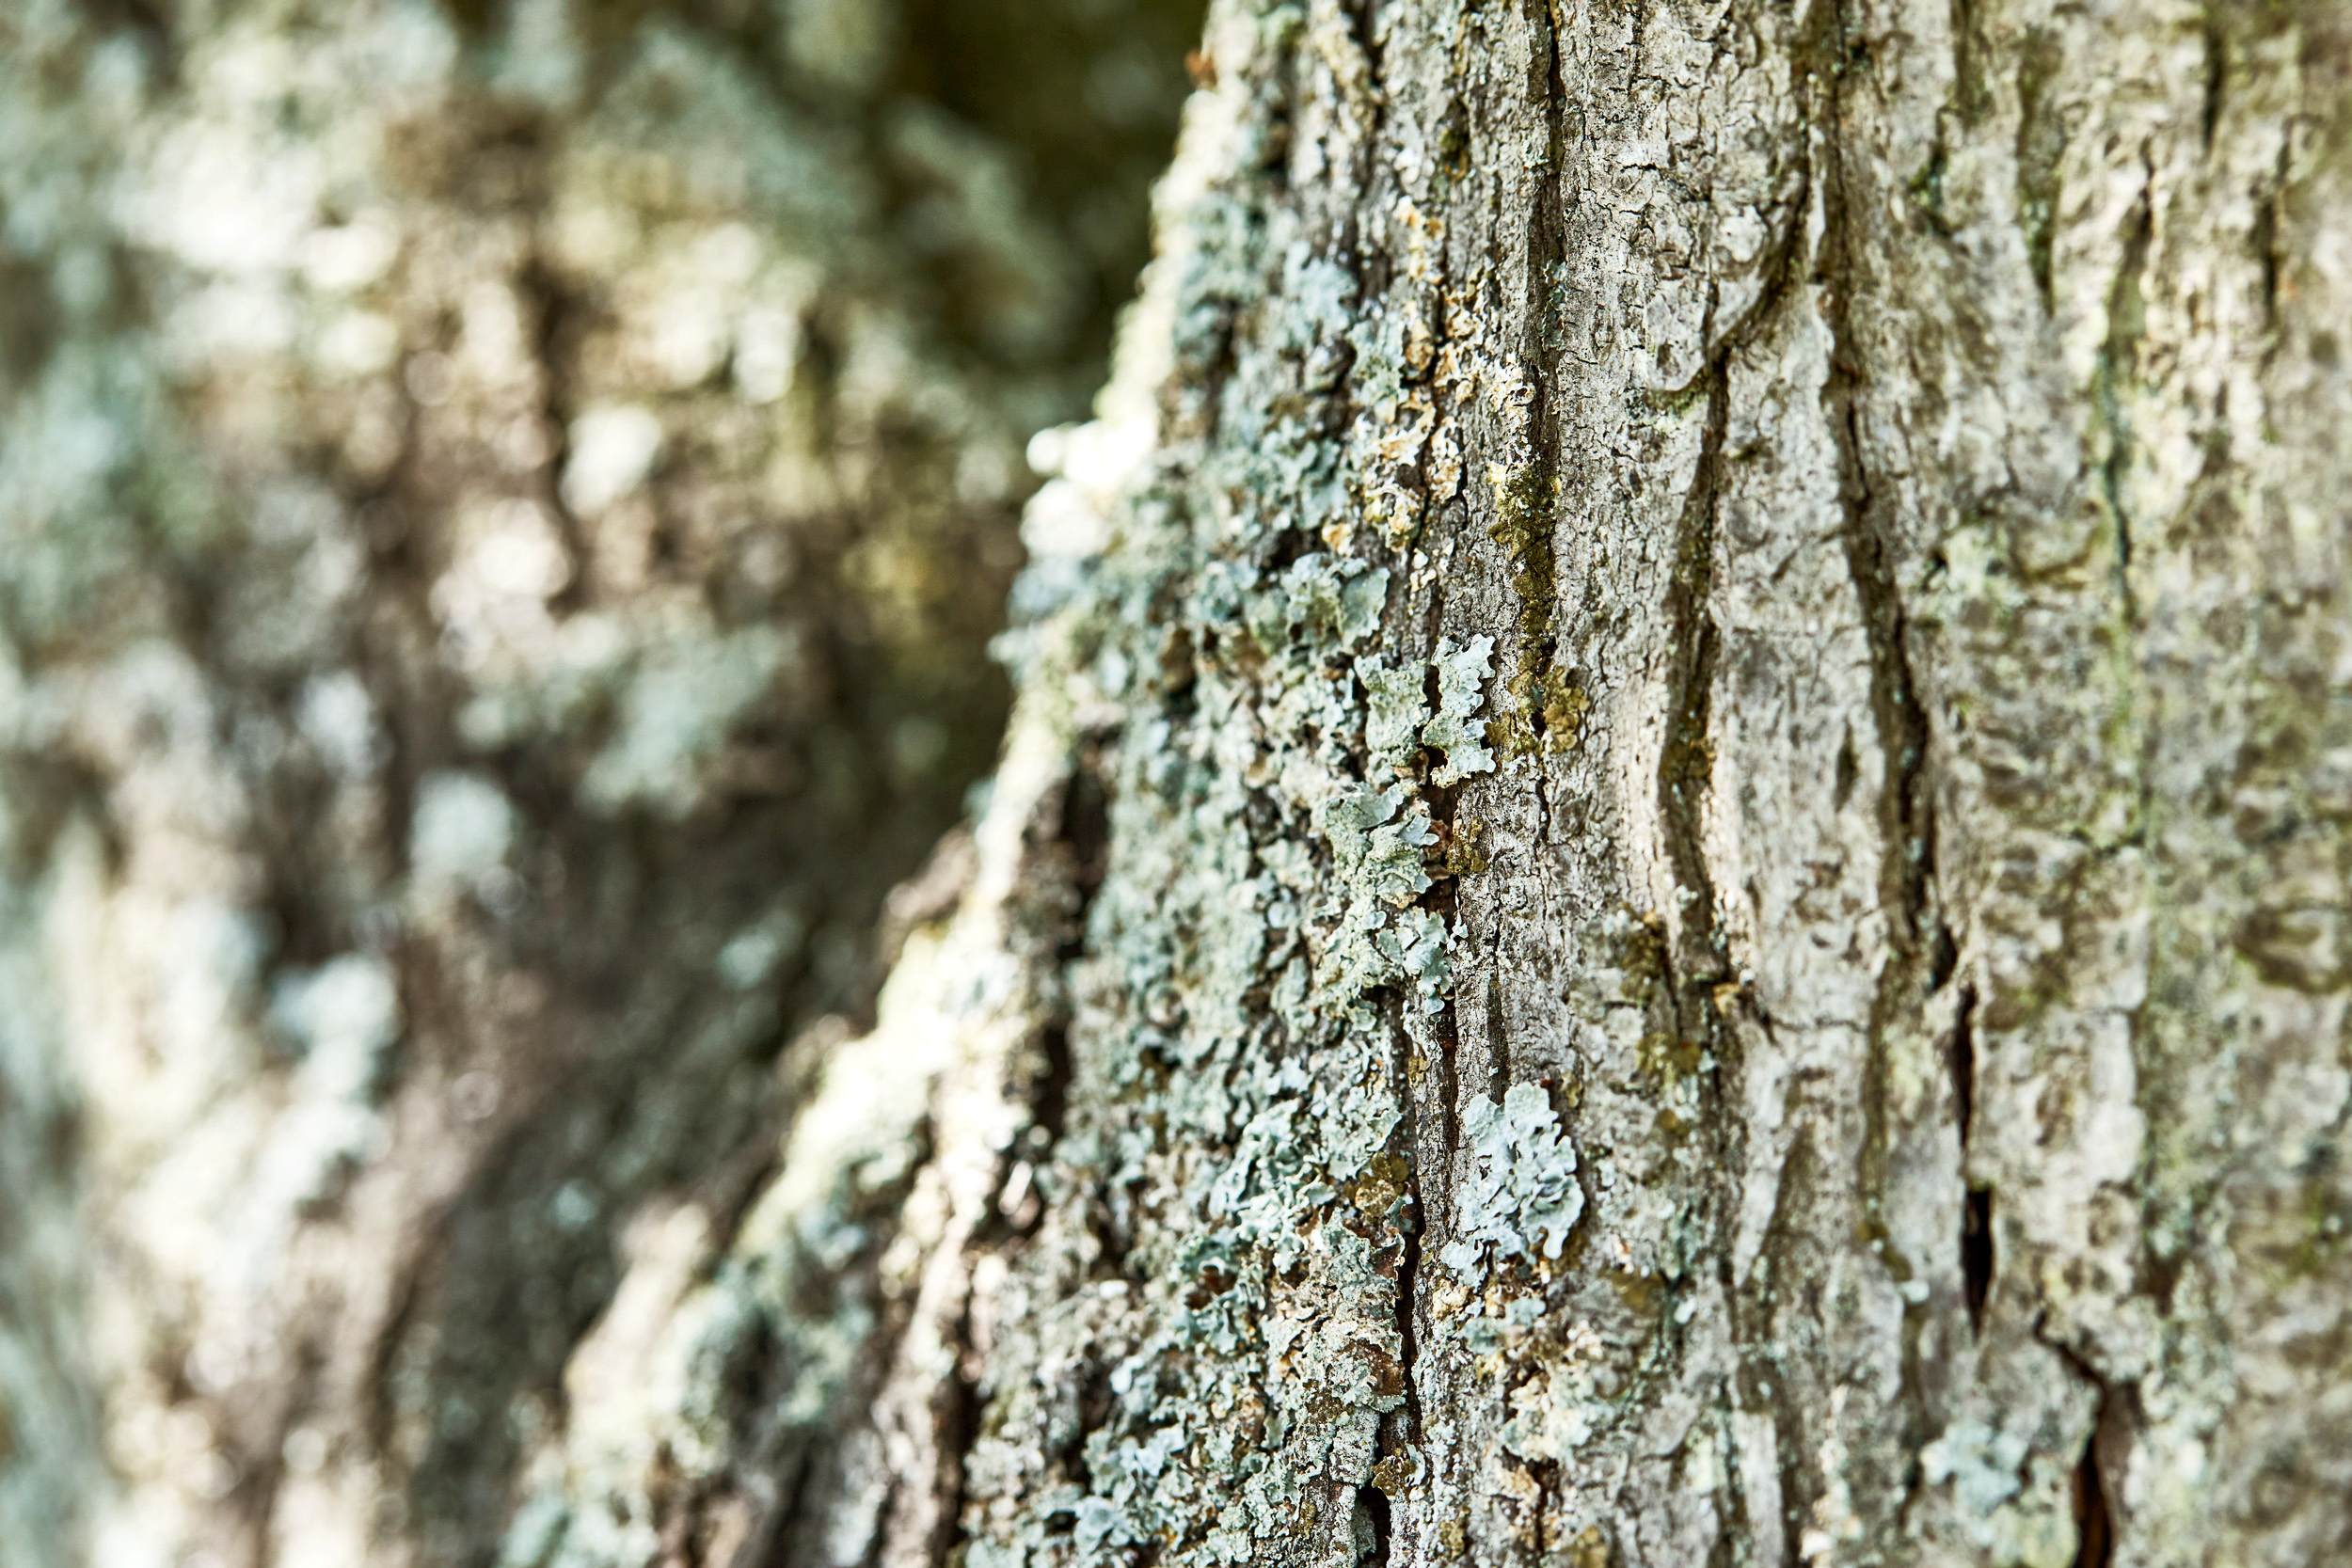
1667	886
1712	715
502	508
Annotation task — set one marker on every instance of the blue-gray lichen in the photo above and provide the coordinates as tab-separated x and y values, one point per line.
1519	1198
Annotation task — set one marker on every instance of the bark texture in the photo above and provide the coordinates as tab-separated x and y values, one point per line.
1668	886
1705	695
502	508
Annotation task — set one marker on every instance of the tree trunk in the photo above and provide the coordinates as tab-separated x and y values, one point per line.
502	508
1708	758
1667	886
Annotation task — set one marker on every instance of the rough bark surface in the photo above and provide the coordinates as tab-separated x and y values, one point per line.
1711	711
502	508
1669	882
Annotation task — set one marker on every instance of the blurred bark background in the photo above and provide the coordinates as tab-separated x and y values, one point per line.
501	510
1667	884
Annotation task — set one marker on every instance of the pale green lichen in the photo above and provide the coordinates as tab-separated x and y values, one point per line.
1981	1463
1398	723
1553	1415
1414	944
1375	850
1521	1197
1462	676
2015	1502
1332	604
1393	720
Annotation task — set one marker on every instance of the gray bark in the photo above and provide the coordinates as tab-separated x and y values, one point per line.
502	508
1667	884
1718	702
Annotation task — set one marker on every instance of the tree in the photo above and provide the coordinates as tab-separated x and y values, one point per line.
1709	740
1666	883
502	509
